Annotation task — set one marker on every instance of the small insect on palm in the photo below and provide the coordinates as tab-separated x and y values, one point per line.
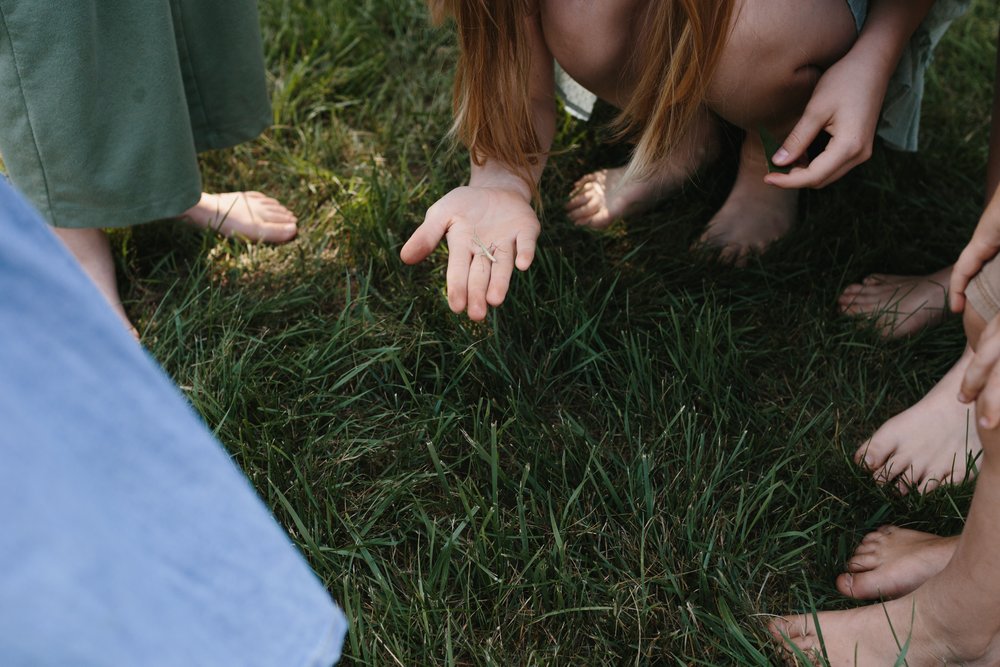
484	251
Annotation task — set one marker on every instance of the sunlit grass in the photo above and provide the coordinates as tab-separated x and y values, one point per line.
638	458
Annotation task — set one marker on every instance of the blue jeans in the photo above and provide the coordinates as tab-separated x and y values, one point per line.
127	536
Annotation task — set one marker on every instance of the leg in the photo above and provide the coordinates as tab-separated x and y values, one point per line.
898	305
932	443
762	84
600	198
247	215
755	214
92	250
954	618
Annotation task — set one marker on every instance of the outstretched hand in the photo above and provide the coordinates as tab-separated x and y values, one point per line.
489	231
846	104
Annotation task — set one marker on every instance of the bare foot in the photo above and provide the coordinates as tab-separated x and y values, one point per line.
898	305
916	630
932	443
952	619
755	214
600	198
892	561
247	215
92	250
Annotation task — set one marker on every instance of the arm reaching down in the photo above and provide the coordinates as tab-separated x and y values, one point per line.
848	98
490	225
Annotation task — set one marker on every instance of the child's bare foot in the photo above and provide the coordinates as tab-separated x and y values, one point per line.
600	198
92	250
899	305
755	214
247	215
930	444
892	561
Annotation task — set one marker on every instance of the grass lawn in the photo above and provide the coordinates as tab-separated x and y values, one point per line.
639	457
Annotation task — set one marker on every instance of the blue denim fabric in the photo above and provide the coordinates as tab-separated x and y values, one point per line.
127	536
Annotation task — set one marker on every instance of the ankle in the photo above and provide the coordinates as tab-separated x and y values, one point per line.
962	635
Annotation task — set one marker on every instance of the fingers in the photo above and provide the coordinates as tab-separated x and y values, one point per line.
457	277
525	246
988	402
969	263
476	282
982	378
500	274
480	271
841	155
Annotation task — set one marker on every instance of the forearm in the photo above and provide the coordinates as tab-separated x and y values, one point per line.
542	109
492	173
887	31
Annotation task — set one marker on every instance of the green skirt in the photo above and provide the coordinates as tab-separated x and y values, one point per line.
106	103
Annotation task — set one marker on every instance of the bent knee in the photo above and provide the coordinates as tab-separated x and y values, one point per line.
763	76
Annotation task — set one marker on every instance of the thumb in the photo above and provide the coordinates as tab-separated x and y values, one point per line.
423	241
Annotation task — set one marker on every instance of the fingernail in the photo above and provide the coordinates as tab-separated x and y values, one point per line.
962	398
780	157
868	461
984	422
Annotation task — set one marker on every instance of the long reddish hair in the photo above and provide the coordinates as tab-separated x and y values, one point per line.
492	100
682	41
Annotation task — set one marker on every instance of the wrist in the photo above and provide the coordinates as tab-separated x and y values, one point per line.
502	181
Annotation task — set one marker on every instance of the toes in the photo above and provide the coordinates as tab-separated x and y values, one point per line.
585	210
852	290
889	472
599	220
591	178
863	562
845	584
907	481
930	484
735	254
797	638
862	585
790	627
873	456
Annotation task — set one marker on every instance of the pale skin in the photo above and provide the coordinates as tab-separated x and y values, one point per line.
247	215
945	592
760	82
902	305
931	443
846	104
